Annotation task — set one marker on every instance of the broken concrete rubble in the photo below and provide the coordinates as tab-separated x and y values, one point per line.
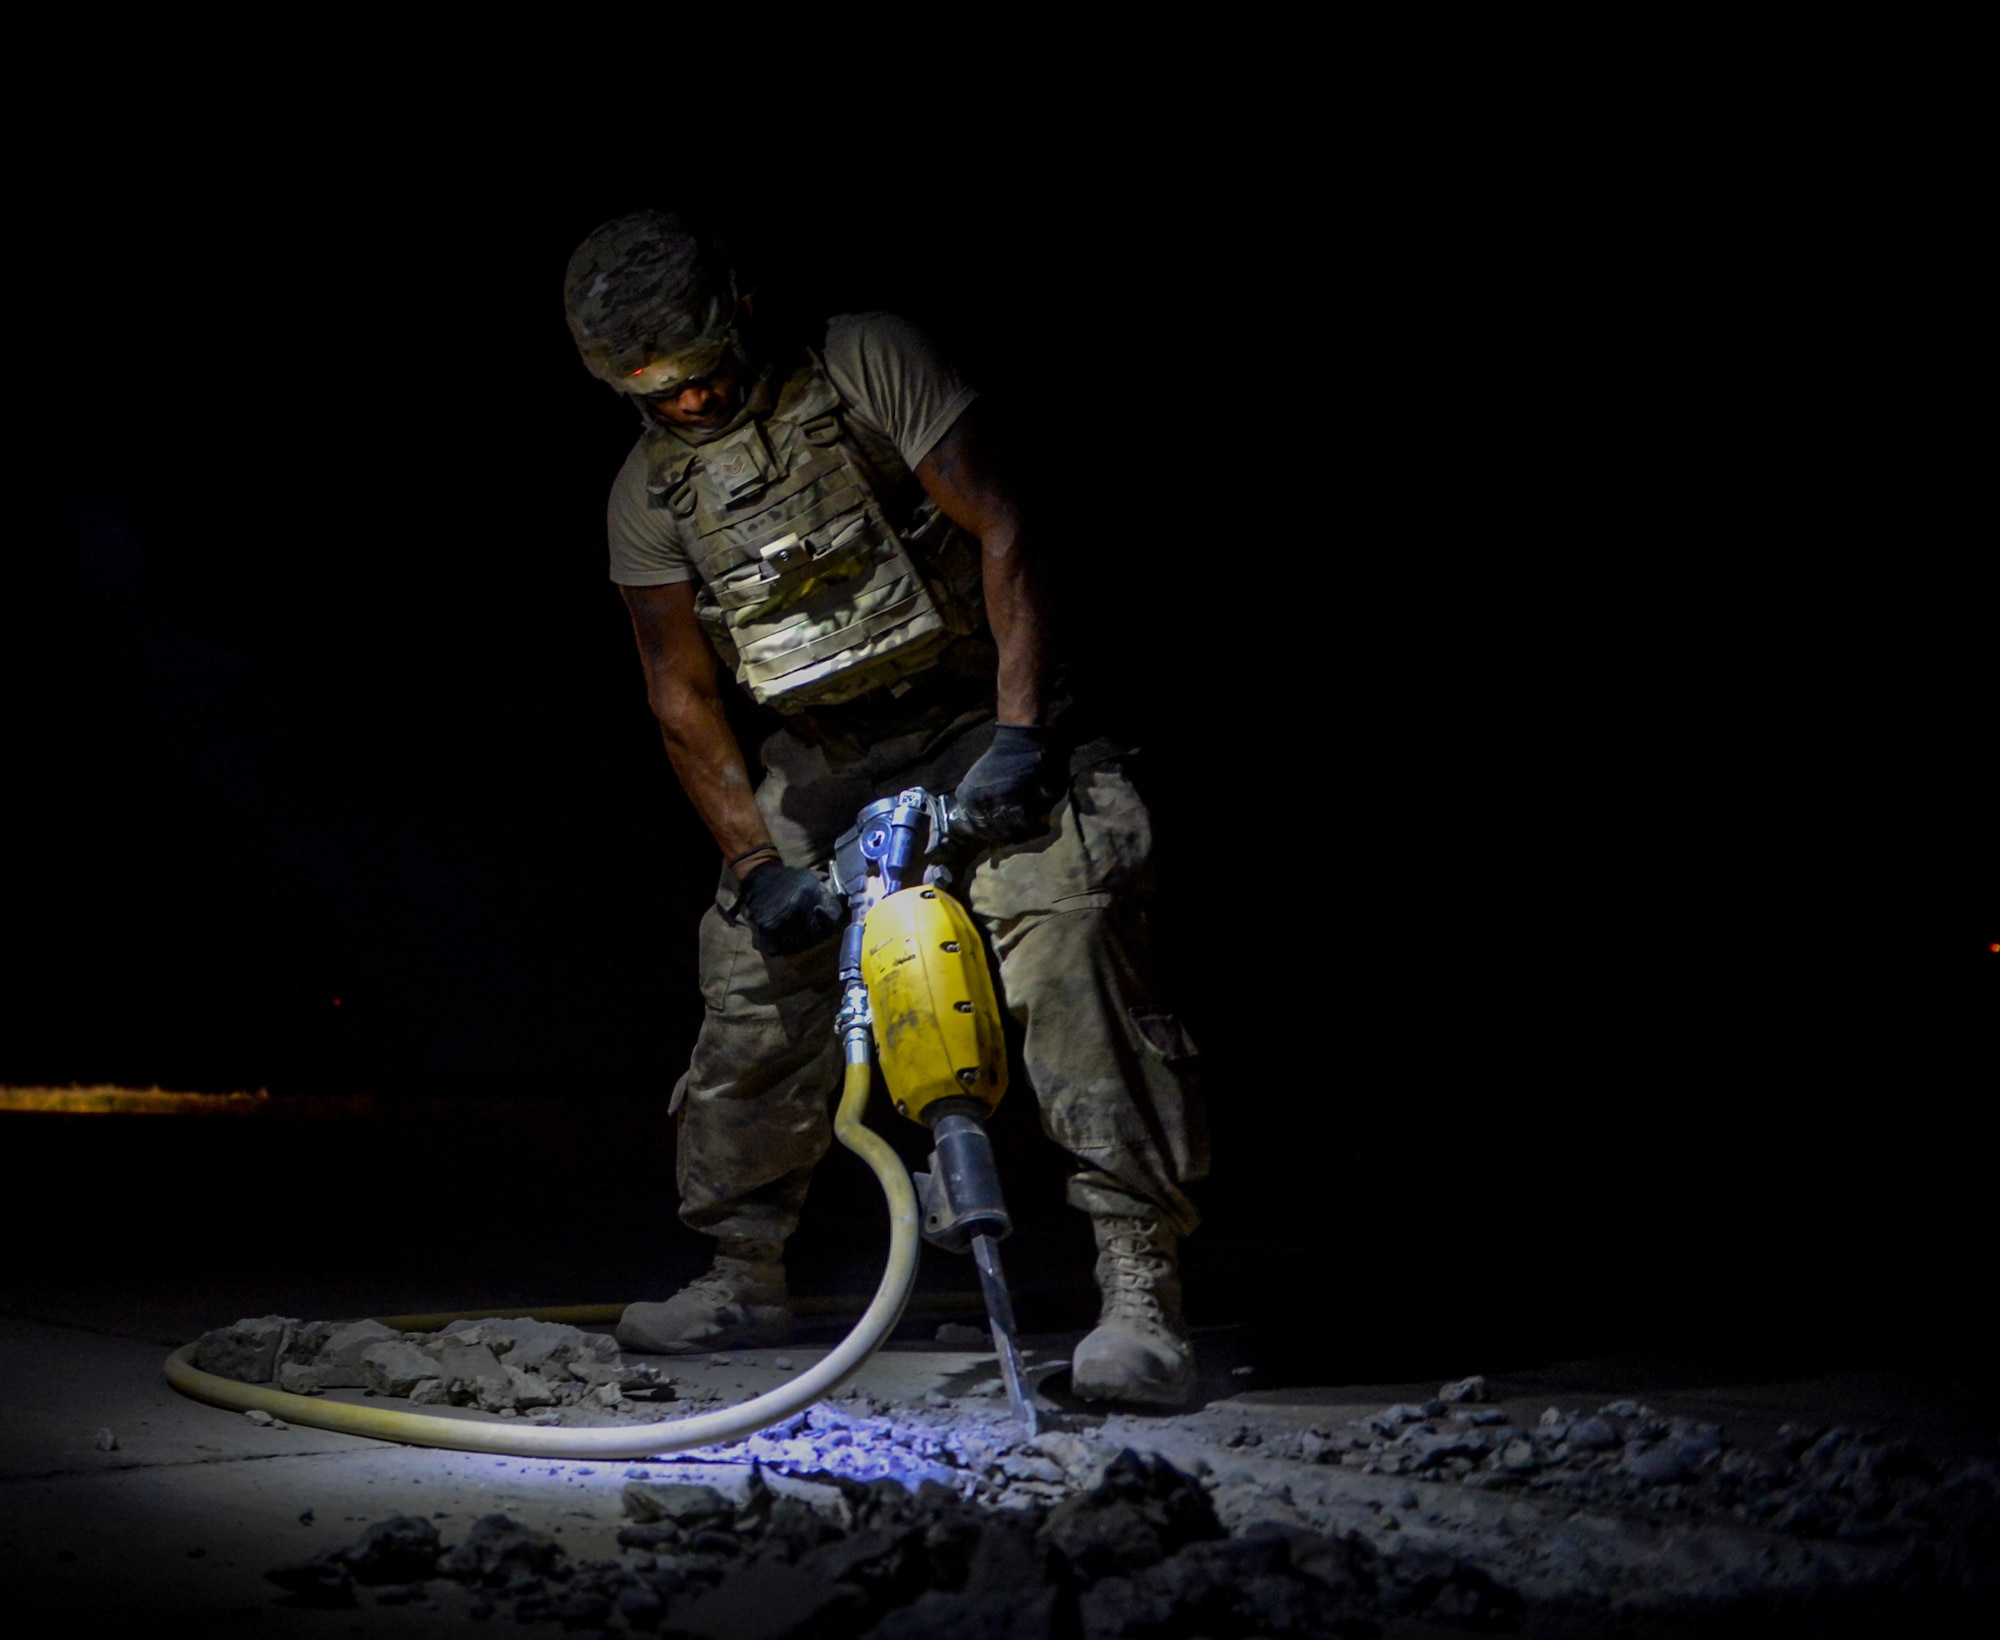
1237	1518
507	1367
1143	1552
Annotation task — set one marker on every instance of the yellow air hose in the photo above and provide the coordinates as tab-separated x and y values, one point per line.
624	1440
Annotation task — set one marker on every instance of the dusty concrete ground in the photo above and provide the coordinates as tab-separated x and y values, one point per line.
1594	1497
1430	1520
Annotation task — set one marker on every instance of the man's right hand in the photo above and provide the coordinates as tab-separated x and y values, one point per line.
789	909
1006	796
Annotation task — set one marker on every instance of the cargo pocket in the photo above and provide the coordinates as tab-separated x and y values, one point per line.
1164	1034
1113	831
1173	1079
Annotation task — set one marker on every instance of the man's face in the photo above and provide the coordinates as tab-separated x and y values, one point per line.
704	402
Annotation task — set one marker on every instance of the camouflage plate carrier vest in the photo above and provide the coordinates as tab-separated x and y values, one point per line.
810	591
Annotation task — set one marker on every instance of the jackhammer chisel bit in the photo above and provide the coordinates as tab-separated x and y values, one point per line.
1000	1312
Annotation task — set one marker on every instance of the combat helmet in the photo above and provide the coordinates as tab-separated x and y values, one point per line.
652	302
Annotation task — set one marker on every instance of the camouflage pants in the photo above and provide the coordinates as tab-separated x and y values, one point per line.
1112	1071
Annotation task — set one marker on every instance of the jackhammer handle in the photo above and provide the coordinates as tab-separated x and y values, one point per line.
942	808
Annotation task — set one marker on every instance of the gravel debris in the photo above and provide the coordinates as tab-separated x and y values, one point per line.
914	1521
900	1520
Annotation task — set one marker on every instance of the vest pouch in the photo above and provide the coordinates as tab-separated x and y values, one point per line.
791	569
834	626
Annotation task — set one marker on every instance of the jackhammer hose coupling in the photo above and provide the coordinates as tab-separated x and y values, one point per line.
850	951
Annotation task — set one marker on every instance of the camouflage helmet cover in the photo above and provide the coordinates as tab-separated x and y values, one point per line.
646	290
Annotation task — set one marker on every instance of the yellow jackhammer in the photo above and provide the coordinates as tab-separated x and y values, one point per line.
916	989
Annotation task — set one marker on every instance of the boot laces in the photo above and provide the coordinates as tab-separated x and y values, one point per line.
728	1286
1132	1268
712	1283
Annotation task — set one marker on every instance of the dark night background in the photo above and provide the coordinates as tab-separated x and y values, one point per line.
1520	880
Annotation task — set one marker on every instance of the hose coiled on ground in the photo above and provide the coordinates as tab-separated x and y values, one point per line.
625	1440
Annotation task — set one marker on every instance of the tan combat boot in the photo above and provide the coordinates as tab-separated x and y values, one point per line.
739	1303
1140	1350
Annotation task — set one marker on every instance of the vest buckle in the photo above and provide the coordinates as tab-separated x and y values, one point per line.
787	552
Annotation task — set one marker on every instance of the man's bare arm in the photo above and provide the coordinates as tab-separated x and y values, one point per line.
683	686
962	475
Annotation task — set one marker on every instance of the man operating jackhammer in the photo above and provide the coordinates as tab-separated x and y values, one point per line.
827	520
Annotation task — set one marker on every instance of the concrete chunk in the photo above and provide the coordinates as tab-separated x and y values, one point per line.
1144	1510
1593	1435
534	1346
306	1339
499	1552
339	1364
593	1372
347	1341
393	1367
686	1506
471	1372
1390	1419
402	1549
1082	1461
530	1388
246	1350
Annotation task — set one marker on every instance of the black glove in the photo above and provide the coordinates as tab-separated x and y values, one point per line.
789	909
1006	796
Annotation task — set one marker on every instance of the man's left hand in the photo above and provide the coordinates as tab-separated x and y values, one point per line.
1006	796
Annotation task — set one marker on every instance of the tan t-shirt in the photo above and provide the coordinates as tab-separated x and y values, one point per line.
889	377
